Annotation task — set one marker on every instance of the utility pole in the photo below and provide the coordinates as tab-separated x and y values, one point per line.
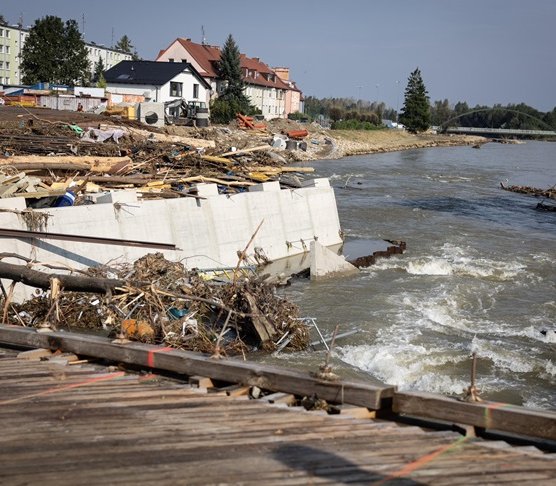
83	25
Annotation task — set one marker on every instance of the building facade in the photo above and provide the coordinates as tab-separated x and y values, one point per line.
110	57
12	39
265	89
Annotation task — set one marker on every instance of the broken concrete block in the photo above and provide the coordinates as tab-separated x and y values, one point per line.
265	187
326	264
320	182
206	190
117	197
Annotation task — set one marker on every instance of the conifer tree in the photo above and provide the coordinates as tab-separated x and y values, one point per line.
229	69
99	69
233	99
415	114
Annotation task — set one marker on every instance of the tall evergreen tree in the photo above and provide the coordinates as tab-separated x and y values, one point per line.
54	52
125	45
415	114
99	69
233	99
229	69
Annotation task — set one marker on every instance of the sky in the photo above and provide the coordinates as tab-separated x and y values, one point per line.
478	51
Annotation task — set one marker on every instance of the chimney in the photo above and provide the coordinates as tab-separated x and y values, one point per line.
283	73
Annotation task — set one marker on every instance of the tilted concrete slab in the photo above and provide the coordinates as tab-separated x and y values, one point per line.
326	264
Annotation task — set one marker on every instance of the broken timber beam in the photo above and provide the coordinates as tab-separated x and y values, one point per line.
42	280
102	165
189	363
486	415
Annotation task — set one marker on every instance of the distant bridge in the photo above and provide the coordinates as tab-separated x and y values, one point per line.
501	132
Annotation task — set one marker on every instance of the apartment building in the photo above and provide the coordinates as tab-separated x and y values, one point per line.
12	40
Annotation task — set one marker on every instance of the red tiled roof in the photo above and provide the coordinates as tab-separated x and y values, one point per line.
208	56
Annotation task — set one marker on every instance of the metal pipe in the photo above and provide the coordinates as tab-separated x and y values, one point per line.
15	233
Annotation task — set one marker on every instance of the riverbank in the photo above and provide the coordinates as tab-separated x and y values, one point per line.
359	142
325	143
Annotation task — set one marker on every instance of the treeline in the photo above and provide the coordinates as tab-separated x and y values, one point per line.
348	113
512	116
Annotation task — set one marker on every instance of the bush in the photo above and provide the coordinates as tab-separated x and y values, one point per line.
298	116
224	111
354	125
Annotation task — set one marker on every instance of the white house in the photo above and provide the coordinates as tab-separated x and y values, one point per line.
137	81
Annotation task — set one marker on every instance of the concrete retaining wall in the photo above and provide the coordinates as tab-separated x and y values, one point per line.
208	232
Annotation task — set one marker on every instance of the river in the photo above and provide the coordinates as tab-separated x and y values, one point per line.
479	273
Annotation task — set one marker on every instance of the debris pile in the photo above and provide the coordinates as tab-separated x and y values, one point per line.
158	301
61	156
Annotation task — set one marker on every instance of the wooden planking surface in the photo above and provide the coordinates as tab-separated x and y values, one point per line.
90	425
188	363
488	415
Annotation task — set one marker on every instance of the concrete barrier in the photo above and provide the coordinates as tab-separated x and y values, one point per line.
208	232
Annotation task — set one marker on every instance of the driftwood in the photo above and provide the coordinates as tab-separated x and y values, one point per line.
247	150
102	165
161	137
35	278
531	191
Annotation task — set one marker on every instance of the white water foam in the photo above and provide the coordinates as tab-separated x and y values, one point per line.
406	366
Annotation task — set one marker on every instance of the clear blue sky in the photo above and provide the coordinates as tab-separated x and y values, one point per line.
479	51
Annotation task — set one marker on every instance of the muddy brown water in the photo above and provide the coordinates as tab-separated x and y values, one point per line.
479	273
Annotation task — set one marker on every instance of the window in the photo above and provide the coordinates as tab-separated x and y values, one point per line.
1	48
7	65
176	89
170	59
7	49
1	32
195	91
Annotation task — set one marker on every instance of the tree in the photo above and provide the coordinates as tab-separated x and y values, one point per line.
415	114
54	52
3	21
125	45
98	70
441	112
233	99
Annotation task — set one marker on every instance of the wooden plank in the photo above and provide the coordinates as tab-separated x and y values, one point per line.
285	398
487	415
356	412
189	363
201	382
109	165
35	354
